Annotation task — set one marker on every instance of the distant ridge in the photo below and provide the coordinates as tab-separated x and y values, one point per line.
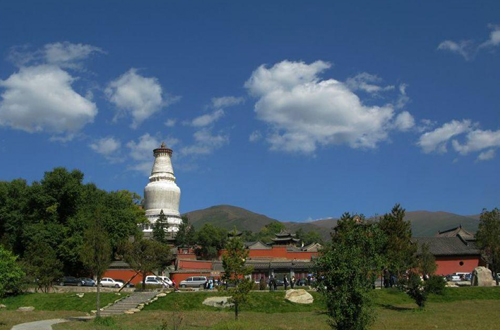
424	223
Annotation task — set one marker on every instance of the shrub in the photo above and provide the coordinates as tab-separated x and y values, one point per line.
414	287
11	275
435	284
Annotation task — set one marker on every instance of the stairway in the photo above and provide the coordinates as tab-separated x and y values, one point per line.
131	302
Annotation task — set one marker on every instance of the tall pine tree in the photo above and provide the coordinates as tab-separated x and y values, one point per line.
160	227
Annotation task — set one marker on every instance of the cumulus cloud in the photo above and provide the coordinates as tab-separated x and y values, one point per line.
207	119
486	155
67	54
137	96
305	111
226	101
477	140
170	122
109	147
205	143
41	98
255	136
464	48
494	39
368	83
437	140
62	54
404	121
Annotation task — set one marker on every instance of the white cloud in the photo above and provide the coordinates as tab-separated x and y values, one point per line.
486	155
494	39
41	98
207	119
305	111
66	54
62	54
368	83
205	143
109	147
142	151
467	48
255	136
404	121
437	139
170	122
138	96
425	125
463	48
477	140
226	101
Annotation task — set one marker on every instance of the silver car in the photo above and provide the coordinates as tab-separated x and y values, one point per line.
194	281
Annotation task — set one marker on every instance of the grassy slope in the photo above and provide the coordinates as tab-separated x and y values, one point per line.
59	301
462	308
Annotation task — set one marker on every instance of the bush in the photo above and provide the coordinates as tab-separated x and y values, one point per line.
414	287
11	275
435	284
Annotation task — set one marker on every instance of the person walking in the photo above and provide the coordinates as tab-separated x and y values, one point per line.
292	282
271	283
285	282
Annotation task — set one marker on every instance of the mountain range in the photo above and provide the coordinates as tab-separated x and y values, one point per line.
423	223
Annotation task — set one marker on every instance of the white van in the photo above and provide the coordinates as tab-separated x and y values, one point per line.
159	280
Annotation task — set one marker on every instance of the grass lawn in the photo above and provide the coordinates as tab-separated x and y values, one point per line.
9	318
59	301
460	308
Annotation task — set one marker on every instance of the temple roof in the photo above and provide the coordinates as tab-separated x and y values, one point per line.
457	231
447	246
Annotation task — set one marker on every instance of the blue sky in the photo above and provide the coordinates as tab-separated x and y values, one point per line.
297	110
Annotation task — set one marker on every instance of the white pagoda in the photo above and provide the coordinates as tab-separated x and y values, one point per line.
162	193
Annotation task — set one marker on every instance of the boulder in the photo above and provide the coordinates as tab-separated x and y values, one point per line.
482	277
220	302
26	309
299	296
2	306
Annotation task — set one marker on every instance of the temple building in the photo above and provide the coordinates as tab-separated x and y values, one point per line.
162	193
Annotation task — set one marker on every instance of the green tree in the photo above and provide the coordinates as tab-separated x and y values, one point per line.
42	265
308	237
186	236
96	252
233	262
11	274
399	250
488	239
146	256
426	262
211	239
160	228
347	265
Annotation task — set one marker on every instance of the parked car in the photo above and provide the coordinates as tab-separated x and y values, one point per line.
453	278
70	280
467	277
109	282
129	285
162	280
165	280
87	281
301	282
194	281
153	281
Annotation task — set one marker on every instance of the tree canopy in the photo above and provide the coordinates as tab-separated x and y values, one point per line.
488	239
56	210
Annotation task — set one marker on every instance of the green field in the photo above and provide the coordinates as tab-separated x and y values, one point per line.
459	308
59	301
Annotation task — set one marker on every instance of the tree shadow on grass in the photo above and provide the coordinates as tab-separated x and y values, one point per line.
396	308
